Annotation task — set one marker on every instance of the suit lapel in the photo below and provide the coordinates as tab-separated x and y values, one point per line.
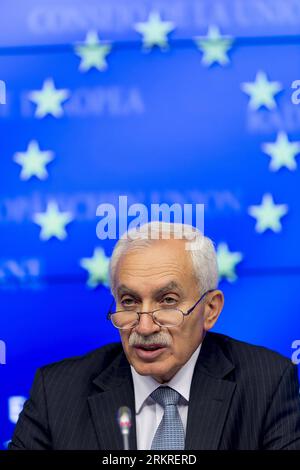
210	397
115	389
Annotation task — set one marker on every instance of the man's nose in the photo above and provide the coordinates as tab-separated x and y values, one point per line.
146	325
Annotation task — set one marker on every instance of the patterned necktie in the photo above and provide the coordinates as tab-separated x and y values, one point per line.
170	432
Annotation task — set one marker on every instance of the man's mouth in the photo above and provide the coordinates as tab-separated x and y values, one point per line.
149	351
149	347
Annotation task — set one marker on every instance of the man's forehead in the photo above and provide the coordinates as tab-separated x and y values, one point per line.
148	271
158	255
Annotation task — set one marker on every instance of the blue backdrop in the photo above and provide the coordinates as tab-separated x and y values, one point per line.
161	126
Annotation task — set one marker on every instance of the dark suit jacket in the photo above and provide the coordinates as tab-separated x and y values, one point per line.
242	397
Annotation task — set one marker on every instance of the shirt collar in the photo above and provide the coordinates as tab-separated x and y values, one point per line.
144	385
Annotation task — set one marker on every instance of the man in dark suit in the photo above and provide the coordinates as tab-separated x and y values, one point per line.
187	388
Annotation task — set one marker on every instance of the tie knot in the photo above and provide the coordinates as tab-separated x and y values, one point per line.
165	396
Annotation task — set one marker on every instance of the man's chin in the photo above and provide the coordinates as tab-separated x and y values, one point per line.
158	371
155	368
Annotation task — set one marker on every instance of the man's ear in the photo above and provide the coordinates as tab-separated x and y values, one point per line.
212	309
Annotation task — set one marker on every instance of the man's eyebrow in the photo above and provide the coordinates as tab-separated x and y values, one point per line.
167	288
123	290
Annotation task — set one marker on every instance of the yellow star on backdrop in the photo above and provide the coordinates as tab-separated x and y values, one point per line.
93	53
49	99
282	152
261	91
33	161
154	31
268	214
214	47
97	267
227	261
53	222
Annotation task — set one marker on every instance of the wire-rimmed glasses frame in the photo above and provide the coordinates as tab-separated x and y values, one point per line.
110	314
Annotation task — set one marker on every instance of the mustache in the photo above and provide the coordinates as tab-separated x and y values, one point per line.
135	339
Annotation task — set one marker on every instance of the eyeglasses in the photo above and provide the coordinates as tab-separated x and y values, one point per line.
165	317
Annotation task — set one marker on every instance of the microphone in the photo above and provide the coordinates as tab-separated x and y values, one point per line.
124	420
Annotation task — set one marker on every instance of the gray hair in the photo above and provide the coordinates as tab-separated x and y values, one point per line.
201	248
